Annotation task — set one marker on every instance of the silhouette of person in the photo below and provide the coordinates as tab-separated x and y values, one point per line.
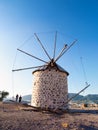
20	98
17	97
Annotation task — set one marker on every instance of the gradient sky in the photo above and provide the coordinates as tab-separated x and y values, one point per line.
73	19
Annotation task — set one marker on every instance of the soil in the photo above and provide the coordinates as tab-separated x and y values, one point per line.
15	116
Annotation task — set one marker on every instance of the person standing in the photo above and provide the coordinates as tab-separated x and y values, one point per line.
17	97
20	98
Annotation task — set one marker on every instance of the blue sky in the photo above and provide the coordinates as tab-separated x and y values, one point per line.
73	19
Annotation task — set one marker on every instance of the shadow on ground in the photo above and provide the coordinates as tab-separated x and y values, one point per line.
84	127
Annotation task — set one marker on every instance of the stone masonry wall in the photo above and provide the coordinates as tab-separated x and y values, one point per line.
49	89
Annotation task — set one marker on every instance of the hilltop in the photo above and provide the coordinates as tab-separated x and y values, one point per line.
90	98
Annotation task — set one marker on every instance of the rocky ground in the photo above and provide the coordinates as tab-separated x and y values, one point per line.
19	117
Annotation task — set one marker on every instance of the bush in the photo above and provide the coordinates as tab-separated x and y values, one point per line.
3	94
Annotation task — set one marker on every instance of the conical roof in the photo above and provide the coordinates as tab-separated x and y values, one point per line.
51	65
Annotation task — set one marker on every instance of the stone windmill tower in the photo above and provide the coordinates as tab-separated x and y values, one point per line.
50	86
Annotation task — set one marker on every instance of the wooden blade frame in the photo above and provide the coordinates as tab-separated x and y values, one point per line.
27	68
65	50
31	55
77	94
42	46
65	46
55	40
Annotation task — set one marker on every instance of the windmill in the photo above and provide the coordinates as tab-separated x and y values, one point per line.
50	85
